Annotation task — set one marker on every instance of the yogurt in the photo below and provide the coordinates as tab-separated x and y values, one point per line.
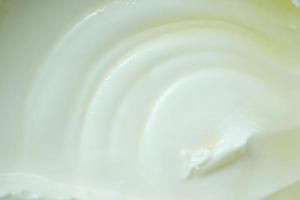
149	100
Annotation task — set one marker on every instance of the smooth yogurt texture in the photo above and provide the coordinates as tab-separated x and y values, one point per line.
150	100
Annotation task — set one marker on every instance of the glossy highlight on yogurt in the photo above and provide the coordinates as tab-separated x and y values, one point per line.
150	100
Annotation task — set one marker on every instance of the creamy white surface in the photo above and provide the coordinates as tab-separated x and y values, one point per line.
149	100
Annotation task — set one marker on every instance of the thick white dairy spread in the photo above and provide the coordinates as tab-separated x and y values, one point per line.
150	100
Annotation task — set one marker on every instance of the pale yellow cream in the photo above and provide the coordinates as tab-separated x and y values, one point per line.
150	100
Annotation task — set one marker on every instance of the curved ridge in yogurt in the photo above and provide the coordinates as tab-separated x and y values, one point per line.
157	100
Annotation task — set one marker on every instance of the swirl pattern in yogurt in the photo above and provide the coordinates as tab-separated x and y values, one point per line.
156	100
